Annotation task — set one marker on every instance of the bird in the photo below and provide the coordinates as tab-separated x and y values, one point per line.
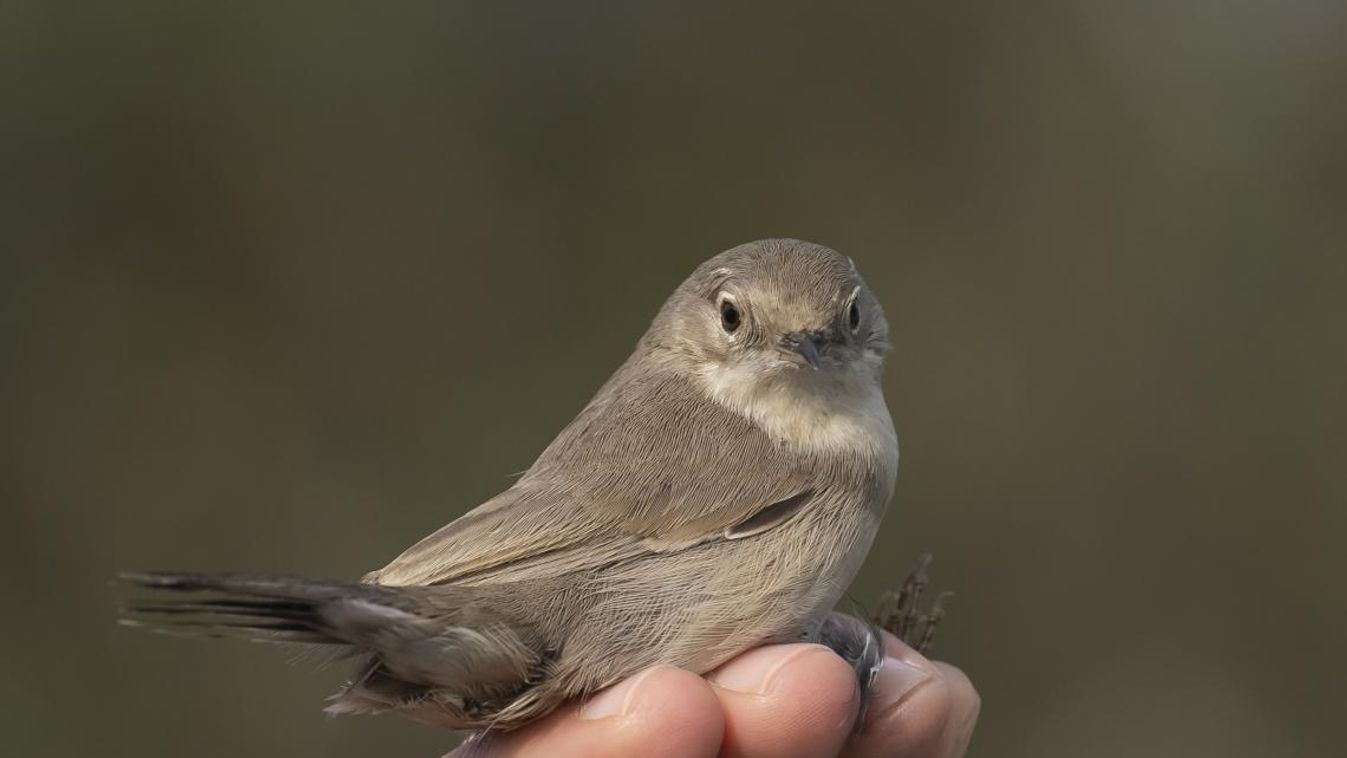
718	493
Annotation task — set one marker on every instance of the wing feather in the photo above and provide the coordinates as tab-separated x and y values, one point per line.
649	465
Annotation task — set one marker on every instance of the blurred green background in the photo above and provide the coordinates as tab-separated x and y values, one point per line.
289	285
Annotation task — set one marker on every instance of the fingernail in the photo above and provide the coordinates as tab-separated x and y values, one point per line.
894	682
614	701
753	672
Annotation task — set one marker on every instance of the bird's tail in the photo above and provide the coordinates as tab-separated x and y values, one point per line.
264	608
436	652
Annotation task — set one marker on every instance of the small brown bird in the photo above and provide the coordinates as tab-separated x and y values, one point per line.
718	493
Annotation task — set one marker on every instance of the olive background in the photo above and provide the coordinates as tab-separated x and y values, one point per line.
288	285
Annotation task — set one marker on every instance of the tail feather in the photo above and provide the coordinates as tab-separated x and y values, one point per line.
267	608
442	653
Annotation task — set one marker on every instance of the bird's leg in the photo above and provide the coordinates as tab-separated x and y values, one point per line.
900	613
859	643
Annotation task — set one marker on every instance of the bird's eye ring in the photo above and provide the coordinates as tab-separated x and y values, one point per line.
854	316
730	317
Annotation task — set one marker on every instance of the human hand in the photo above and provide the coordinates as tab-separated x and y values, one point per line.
791	701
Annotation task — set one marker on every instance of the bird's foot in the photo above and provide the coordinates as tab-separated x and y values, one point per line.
902	614
861	643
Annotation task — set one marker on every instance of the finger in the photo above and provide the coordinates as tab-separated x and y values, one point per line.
660	712
786	700
967	704
917	708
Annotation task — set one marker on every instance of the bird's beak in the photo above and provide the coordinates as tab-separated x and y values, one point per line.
806	344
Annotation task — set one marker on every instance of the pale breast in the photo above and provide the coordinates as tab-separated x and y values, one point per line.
823	415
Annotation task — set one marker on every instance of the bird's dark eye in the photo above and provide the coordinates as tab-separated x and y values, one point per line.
729	316
854	316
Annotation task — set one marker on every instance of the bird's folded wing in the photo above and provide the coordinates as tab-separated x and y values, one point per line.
649	467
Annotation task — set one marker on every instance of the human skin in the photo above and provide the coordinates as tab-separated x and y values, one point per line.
784	701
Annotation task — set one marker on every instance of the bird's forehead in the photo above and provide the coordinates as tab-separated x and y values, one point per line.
794	308
786	283
790	295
